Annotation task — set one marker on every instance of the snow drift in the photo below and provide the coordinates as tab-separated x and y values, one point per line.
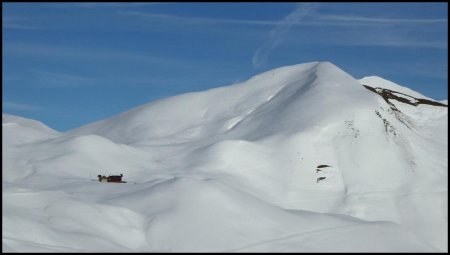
299	158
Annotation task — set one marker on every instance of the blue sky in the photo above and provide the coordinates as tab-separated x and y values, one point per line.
69	64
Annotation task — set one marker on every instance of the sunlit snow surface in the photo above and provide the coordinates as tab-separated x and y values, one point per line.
301	158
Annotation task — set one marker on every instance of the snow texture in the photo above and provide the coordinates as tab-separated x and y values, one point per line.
301	158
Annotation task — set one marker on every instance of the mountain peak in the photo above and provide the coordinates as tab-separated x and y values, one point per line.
250	103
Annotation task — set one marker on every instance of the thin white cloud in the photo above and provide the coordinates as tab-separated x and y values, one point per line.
58	79
15	22
68	51
195	20
398	43
20	26
393	37
377	20
278	34
115	5
317	20
93	54
20	107
95	5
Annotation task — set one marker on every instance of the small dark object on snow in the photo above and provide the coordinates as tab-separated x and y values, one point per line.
320	178
111	178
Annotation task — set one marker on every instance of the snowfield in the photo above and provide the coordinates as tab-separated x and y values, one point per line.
302	158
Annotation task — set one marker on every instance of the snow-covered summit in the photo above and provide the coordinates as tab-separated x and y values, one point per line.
252	104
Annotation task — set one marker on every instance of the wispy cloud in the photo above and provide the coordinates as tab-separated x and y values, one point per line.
94	5
50	79
433	37
9	22
195	20
293	19
358	20
32	49
20	26
20	107
278	34
116	5
397	42
92	55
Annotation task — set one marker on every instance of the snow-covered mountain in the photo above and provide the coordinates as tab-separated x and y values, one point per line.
299	158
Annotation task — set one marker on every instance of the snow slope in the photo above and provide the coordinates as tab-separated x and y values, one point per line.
299	158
